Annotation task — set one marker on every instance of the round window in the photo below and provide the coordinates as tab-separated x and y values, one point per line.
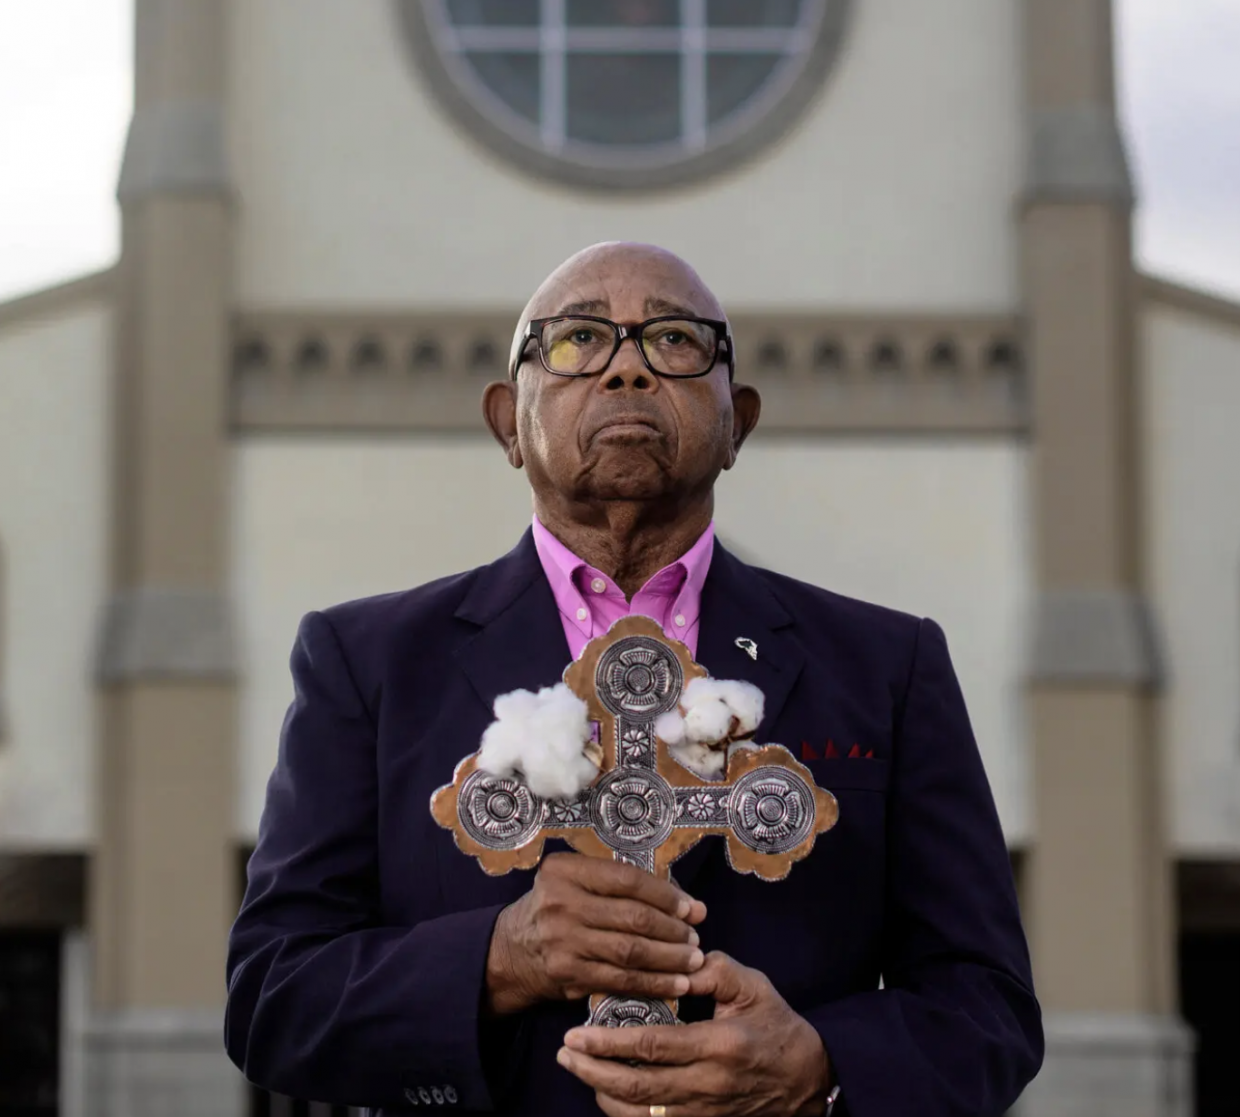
625	93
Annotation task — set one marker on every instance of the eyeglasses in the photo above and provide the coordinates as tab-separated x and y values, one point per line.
673	345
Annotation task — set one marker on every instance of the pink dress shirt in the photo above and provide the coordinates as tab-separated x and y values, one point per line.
590	602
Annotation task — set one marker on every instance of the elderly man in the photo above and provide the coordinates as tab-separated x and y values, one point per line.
374	964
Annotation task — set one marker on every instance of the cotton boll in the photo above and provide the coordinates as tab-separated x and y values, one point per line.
670	727
745	701
541	736
708	720
706	763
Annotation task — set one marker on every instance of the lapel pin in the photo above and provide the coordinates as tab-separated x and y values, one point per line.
748	646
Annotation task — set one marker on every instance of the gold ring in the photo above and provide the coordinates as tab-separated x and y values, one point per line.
658	1111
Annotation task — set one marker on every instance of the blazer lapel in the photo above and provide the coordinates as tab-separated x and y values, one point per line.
736	604
520	644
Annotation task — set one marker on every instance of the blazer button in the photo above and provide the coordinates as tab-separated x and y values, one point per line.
450	1094
437	1094
425	1095
410	1096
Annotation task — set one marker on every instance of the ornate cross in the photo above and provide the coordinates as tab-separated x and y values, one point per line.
645	808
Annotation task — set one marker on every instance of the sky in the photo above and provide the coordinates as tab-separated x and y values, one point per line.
65	96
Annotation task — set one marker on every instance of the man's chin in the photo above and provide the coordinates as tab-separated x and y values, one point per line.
627	473
643	484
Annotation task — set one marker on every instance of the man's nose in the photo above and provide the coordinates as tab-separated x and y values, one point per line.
628	370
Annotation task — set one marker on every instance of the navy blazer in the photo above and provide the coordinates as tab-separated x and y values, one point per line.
356	964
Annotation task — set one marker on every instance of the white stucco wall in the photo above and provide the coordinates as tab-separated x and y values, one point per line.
53	435
1192	410
896	191
930	528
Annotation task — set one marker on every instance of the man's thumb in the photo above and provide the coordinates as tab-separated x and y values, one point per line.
724	978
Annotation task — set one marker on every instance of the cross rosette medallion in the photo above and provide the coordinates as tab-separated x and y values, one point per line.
644	808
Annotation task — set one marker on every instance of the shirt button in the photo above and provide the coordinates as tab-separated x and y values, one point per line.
680	620
425	1095
450	1093
437	1094
582	613
598	585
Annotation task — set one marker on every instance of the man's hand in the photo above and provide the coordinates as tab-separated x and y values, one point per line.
755	1056
592	926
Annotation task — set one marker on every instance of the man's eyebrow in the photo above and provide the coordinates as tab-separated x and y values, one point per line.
656	305
585	306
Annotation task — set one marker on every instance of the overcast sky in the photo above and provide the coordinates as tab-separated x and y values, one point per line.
65	93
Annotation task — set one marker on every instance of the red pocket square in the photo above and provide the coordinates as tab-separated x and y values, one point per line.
808	752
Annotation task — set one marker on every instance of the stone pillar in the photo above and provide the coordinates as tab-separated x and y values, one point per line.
1100	898
163	878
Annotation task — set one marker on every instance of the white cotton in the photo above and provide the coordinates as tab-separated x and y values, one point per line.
711	704
670	727
713	713
746	702
544	737
707	719
702	761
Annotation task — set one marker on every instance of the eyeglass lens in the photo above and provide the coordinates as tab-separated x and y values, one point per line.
580	346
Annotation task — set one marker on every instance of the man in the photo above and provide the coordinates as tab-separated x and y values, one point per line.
375	964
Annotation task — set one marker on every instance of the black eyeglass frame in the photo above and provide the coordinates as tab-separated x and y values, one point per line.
533	332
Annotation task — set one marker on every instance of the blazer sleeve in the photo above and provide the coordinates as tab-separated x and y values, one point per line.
324	1002
956	1031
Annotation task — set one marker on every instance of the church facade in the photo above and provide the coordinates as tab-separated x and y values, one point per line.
975	408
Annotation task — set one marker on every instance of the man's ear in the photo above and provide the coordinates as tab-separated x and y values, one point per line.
746	407
499	409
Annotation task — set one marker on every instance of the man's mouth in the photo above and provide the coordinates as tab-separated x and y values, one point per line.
627	426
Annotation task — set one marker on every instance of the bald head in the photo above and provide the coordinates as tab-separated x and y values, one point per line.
600	279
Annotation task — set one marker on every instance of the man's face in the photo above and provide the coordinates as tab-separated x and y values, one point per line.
625	434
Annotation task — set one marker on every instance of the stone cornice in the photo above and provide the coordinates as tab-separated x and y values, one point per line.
817	374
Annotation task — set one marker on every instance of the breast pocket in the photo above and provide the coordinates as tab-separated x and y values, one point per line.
856	844
844	774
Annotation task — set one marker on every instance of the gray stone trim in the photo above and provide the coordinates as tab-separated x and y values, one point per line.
156	1062
1077	155
760	133
166	633
175	147
1113	1065
817	374
1094	636
74	1015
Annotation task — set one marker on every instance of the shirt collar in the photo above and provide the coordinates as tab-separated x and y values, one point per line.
561	567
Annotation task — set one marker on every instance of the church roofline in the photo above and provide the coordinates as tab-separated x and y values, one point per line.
47	302
1192	300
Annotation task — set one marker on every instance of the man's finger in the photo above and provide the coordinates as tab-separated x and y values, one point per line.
607	913
632	953
725	979
644	1086
661	1044
599	977
614	878
614	1107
